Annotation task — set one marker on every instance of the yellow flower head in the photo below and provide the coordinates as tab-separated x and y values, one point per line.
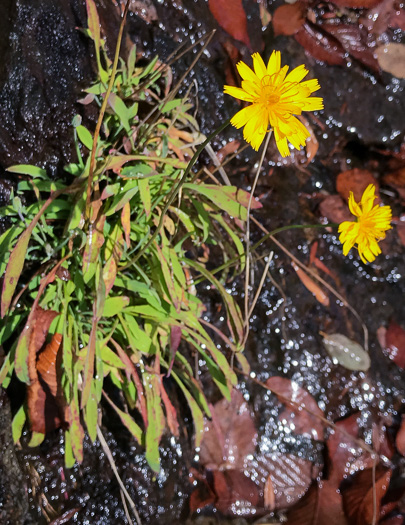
371	224
275	98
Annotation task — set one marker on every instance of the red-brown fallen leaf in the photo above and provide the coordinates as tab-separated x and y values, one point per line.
231	16
401	233
342	448
320	44
395	344
358	497
400	439
236	493
303	414
399	519
396	179
311	285
321	505
287	475
288	19
335	209
355	180
47	408
356	4
228	149
354	41
202	496
230	436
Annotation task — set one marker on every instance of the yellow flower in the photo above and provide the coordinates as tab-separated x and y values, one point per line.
275	98
371	224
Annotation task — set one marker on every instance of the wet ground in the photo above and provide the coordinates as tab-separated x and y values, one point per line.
361	126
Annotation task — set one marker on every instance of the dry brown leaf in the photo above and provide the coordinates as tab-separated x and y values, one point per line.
355	180
400	439
358	497
231	16
230	436
395	344
335	209
311	285
296	412
320	44
288	19
391	58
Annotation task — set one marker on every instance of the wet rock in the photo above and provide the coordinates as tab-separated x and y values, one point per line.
13	497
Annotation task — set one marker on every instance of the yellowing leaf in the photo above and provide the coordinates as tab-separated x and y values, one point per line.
346	352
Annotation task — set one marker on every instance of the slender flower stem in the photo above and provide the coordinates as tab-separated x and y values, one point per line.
247	235
268	235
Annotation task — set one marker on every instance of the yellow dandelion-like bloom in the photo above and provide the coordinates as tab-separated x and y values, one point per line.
275	98
371	224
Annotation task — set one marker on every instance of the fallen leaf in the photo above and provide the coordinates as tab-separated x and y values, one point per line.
321	505
231	16
301	408
288	475
355	180
311	285
400	439
396	179
288	19
391	58
230	436
354	40
346	352
342	448
356	4
358	497
395	344
335	209
236	493
320	44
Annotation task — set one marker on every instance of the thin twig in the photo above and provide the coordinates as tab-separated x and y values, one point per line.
110	458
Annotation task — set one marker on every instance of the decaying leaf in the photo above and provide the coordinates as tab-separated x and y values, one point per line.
346	352
230	436
231	16
358	497
311	285
395	344
391	58
400	439
303	411
355	180
288	19
335	209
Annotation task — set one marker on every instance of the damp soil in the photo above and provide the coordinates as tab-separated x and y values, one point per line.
46	63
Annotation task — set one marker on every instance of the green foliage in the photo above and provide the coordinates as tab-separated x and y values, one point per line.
122	288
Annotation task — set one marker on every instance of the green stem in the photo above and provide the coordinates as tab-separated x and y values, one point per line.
233	261
102	111
175	190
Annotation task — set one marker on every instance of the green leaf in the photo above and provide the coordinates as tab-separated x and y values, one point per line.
111	358
18	423
120	110
36	439
115	305
228	198
156	421
196	413
69	457
346	352
91	414
28	169
144	191
128	422
85	137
